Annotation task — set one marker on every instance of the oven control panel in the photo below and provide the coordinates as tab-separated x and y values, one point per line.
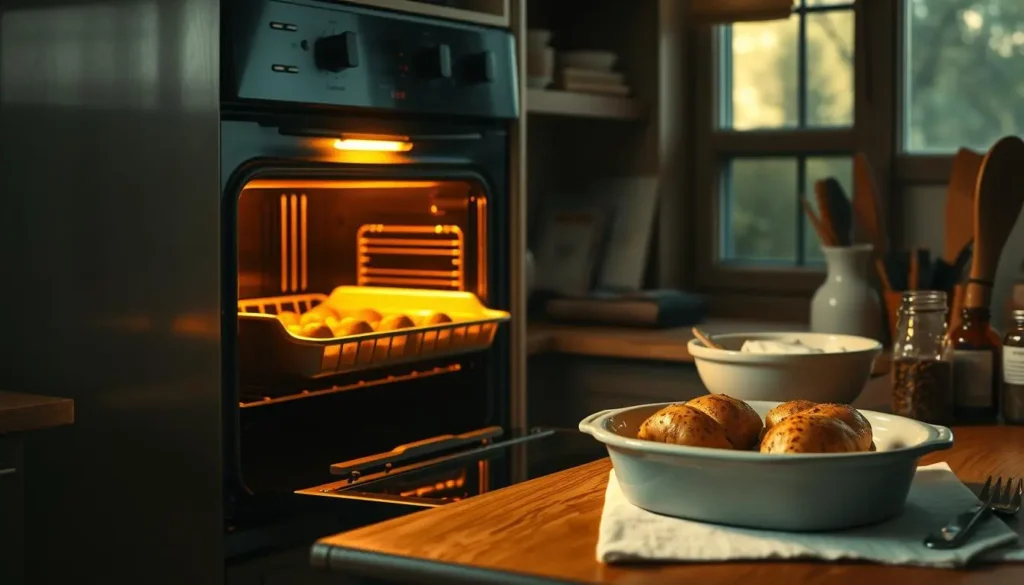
308	52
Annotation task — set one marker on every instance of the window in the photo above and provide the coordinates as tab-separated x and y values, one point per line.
781	104
782	118
963	82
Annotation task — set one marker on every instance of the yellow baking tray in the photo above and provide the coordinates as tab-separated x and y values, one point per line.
268	349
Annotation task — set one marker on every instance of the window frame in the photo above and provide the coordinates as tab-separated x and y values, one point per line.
877	102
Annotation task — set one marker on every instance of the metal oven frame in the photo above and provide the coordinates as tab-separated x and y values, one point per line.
110	162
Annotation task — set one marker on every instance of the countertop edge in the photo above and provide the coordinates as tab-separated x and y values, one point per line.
31	412
363	563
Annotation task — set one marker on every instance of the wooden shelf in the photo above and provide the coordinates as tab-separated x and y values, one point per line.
566	103
490	12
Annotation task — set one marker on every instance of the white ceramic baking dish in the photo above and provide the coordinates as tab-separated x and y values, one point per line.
807	492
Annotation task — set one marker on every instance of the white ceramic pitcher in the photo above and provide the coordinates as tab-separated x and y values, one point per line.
846	302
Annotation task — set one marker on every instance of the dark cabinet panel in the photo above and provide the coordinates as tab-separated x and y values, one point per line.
12	513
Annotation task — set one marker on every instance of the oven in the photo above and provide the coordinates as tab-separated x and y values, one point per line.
366	270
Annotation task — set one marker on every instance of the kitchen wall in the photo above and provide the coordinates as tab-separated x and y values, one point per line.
923	217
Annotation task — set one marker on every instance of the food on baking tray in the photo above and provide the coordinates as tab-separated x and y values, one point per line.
288	318
395	322
741	423
322	318
680	424
798	426
351	326
810	433
435	318
371	316
319	314
316	330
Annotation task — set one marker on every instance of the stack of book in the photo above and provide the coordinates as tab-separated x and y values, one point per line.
582	80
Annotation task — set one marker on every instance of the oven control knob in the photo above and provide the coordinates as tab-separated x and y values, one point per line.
436	62
480	68
337	52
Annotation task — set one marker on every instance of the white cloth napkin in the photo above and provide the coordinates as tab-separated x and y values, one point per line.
629	533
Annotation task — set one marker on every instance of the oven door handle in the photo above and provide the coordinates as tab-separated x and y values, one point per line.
326	133
415	449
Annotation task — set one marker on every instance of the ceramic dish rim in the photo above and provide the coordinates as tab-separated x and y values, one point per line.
939	438
701	351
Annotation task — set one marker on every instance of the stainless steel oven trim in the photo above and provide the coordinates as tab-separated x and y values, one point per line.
276	168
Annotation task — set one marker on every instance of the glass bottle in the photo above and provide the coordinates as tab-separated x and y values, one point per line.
1012	399
922	370
976	348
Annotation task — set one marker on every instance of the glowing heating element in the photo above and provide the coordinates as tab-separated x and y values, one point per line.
372	145
294	243
411	256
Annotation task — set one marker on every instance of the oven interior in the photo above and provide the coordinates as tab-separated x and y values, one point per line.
299	240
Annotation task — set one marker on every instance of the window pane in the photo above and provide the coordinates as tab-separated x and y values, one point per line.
964	78
830	68
821	168
759	69
759	211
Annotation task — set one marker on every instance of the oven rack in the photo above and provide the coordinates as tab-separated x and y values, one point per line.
268	350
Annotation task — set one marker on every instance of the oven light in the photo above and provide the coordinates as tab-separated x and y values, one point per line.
374	145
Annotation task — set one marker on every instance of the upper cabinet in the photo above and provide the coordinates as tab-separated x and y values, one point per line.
590	59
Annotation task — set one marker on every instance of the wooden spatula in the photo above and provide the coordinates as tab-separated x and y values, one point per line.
960	203
833	204
867	205
997	205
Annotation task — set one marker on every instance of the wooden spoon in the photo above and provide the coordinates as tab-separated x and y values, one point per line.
960	194
867	205
705	339
833	204
997	206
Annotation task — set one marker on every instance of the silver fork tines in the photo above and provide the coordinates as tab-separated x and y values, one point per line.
1009	501
1003	501
984	495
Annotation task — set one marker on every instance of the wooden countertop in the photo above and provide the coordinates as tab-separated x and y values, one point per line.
646	344
545	531
29	412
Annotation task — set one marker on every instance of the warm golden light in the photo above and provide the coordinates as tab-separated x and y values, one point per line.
372	145
319	184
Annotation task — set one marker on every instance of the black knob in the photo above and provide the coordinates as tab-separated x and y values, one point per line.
436	62
337	52
479	68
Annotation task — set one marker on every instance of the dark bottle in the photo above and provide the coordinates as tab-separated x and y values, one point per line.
976	352
1012	401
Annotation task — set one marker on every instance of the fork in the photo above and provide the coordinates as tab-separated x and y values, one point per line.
1003	501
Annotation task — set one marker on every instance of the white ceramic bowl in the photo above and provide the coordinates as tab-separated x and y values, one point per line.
794	492
592	60
833	376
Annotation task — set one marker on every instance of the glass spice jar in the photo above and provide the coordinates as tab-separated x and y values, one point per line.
922	370
1012	400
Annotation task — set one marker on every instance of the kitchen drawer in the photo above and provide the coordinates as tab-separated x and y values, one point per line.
12	512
